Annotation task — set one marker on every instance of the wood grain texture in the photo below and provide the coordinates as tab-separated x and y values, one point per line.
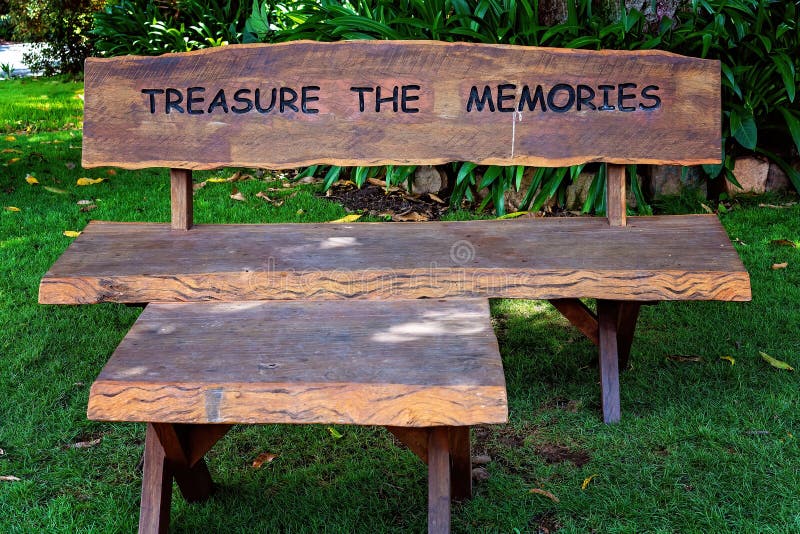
460	463
126	123
401	363
154	510
615	195
181	200
607	316
652	258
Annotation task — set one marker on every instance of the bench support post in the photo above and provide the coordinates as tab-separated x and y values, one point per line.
174	451
608	316
181	198
156	487
615	195
626	326
438	480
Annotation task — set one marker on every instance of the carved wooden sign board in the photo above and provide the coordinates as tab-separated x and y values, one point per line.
399	102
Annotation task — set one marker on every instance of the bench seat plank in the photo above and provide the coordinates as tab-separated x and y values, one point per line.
411	363
652	258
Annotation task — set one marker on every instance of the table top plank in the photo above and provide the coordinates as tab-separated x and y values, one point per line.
406	363
652	258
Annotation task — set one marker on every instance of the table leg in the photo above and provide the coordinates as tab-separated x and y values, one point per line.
438	481
608	314
156	487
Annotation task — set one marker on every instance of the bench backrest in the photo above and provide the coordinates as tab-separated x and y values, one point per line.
399	102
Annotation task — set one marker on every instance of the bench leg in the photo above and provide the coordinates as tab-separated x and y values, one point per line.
460	463
626	326
438	480
156	487
607	315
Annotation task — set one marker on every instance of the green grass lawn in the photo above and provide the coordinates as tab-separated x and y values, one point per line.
703	446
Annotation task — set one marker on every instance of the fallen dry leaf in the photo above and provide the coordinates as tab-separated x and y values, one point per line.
778	364
353	217
71	233
679	358
12	208
69	165
435	198
513	215
411	216
87	209
31	179
216	180
777	206
706	208
89	181
586	481
13	160
85	444
375	181
237	195
85	202
777	266
10	151
198	186
783	243
9	138
111	172
263	196
730	359
263	458
544	493
9	478
54	190
300	212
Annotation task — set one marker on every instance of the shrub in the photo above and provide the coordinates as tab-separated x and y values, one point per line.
148	27
62	26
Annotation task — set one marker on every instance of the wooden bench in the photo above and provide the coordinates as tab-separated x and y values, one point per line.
375	103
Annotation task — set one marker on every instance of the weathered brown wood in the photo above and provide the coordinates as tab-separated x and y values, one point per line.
156	487
460	463
181	198
194	480
607	314
653	258
438	480
581	317
643	106
200	439
626	326
409	363
615	195
416	439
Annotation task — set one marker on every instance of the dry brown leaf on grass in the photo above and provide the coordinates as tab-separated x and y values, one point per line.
679	358
85	444
9	138
263	196
774	362
263	458
55	190
544	493
88	208
10	151
31	179
778	266
84	202
237	195
111	172
71	233
9	478
435	198
13	160
411	216
783	243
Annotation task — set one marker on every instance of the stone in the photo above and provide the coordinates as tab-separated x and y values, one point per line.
578	191
479	474
428	179
514	198
777	180
667	180
751	173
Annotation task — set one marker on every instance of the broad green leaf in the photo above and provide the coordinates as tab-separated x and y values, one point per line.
743	128
786	68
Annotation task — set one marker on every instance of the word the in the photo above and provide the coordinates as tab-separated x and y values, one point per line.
404	99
